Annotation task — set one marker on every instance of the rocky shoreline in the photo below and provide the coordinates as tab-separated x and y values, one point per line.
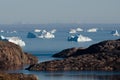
12	57
103	56
17	76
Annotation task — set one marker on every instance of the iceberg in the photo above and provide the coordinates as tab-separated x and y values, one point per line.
2	31
15	40
79	29
92	30
53	31
79	38
115	33
47	35
13	31
37	30
31	35
3	38
73	31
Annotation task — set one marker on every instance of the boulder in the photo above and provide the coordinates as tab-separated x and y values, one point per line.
101	56
12	56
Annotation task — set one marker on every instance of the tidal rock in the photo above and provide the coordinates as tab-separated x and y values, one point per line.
12	56
101	56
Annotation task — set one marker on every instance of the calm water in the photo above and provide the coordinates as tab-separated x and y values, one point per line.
44	48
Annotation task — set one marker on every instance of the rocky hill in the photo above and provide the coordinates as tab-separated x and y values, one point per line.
12	56
101	56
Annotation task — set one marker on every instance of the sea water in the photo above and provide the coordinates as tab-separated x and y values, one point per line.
45	48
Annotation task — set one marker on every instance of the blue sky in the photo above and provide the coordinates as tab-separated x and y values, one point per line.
59	11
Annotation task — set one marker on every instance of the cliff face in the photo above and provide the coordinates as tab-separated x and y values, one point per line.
101	56
12	56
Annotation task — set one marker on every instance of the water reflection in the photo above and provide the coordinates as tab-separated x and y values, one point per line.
84	75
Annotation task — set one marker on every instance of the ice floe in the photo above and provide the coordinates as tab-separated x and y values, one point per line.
53	31
15	40
92	30
79	38
75	30
115	33
37	30
42	34
79	29
1	31
31	35
72	31
47	35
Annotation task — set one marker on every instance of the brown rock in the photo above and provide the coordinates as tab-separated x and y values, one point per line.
101	56
16	76
12	56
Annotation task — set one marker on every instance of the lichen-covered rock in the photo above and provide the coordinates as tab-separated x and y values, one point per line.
12	56
16	76
102	56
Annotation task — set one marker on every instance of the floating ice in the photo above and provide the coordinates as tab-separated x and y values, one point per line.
37	30
79	29
14	40
2	31
47	35
79	38
115	33
31	35
92	30
13	31
53	31
73	31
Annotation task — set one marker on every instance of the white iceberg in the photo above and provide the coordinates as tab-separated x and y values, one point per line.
2	31
72	31
53	31
37	30
15	40
79	29
44	31
47	35
115	33
79	38
92	30
13	31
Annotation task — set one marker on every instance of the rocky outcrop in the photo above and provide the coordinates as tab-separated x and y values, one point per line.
101	56
16	76
104	46
12	56
66	53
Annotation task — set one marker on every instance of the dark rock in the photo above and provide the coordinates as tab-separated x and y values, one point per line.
104	46
67	52
101	56
17	76
12	56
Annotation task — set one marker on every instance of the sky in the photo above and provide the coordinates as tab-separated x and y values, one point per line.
59	11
